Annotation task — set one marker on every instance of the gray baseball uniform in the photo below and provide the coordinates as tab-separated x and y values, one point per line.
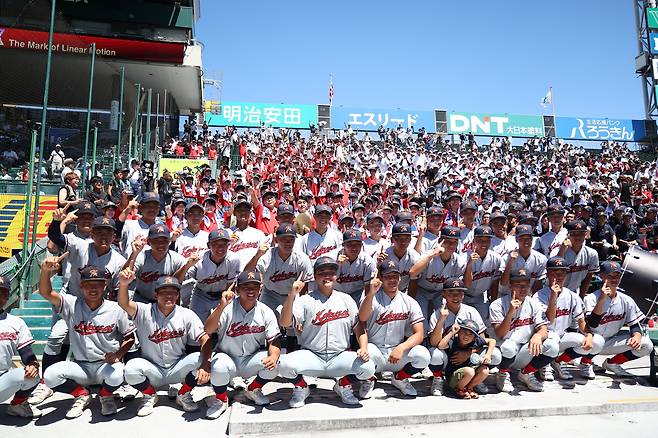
430	283
247	244
132	230
373	247
148	270
580	264
354	276
535	264
549	243
210	280
315	245
405	263
14	335
188	242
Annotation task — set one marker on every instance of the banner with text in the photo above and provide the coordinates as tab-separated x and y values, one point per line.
367	119
652	17
600	129
12	216
507	125
279	115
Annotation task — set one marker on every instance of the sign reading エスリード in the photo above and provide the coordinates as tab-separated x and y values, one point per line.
496	124
367	119
245	114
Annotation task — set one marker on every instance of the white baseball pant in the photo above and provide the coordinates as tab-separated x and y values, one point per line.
418	356
224	367
84	373
338	365
139	369
12	381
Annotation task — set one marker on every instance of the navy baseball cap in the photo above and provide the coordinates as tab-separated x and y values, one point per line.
177	201
167	281
108	204
400	229
554	209
270	193
576	226
450	232
434	211
158	230
192	205
557	263
286	230
403	216
523	230
284	209
85	207
149	197
469	205
352	236
358	206
344	217
323	262
497	215
470	325
454	284
210	200
93	273
374	217
241	202
219	234
519	275
104	222
323	209
453	194
483	231
252	276
610	267
5	283
388	266
527	216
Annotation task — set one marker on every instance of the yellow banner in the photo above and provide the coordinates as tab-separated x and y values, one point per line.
174	165
12	217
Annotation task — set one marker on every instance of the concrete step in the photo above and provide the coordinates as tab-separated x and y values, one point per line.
37	305
38	311
40	333
37	320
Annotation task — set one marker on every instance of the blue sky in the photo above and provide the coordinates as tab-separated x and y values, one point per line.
461	55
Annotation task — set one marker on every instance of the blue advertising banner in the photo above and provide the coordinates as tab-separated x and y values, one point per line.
600	129
368	119
278	115
653	42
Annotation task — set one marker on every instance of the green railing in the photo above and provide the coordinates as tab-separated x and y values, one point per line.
24	274
20	187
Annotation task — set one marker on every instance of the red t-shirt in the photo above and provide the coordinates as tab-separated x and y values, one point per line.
267	225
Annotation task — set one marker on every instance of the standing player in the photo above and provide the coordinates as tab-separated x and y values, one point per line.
582	260
525	258
149	207
356	269
389	316
549	243
565	309
191	238
403	256
518	320
212	274
100	335
375	243
246	327
608	310
245	240
322	240
164	330
428	236
15	337
325	318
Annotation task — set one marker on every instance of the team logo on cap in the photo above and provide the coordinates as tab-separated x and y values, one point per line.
404	228
251	275
288	229
558	262
105	221
93	273
614	265
86	205
160	229
391	264
522	272
168	280
578	225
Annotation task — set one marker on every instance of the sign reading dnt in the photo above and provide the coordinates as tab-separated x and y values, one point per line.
254	114
496	124
119	48
600	129
366	119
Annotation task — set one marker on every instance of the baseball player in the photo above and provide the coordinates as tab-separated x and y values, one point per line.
389	315
564	309
524	258
582	260
608	310
149	207
403	256
468	211
15	337
100	335
356	269
501	243
549	243
248	343
155	261
323	240
428	236
164	329
212	274
191	238
484	269
519	322
435	268
81	253
325	318
245	240
453	311
375	243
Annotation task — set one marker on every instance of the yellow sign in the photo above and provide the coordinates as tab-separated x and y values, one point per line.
174	165
12	217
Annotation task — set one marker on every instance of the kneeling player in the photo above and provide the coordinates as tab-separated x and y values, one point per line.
389	315
519	321
608	310
164	330
246	328
325	318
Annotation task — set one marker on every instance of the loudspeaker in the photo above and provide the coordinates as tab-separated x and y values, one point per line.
639	278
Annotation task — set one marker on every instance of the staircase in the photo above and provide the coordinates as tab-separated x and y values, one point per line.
37	314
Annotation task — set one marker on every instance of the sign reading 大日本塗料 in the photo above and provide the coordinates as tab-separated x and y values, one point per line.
279	115
508	125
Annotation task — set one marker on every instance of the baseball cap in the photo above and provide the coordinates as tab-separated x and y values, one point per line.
284	209
576	226
104	222
358	206
149	197
527	216
241	202
453	194
449	232
497	215
470	325
219	234
352	236
5	283
610	267
628	212
270	193
519	275
210	200
554	209
286	230
468	205
167	281
253	276
400	229
108	204
192	205
158	230
557	263
388	266
85	207
523	230
93	273
323	209
325	262
454	284
434	211
483	231
344	217
403	216
373	217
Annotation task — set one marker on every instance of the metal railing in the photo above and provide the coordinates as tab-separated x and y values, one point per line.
24	273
